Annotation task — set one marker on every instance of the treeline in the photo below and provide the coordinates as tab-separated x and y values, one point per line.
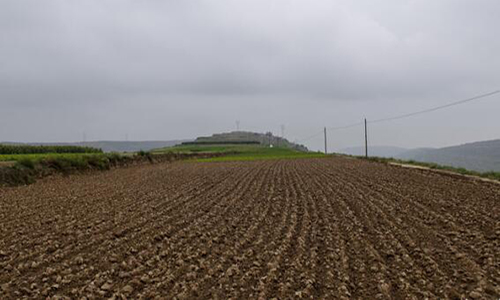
222	143
29	149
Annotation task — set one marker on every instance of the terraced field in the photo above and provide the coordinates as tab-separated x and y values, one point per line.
328	228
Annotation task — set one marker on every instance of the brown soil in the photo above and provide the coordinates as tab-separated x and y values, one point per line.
289	229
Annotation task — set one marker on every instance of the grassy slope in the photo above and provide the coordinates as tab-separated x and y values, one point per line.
240	152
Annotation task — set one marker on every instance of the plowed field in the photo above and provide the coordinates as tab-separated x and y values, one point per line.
309	228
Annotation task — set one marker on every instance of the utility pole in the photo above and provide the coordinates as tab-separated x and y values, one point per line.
366	140
326	144
237	125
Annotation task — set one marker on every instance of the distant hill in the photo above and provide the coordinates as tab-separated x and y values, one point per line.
479	156
239	137
116	146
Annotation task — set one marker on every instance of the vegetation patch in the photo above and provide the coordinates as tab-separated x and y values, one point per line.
43	156
262	156
29	149
222	143
27	168
208	148
240	152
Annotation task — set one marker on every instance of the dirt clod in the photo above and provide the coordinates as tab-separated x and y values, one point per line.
128	289
106	287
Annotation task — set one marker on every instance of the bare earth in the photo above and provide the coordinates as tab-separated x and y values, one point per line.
311	228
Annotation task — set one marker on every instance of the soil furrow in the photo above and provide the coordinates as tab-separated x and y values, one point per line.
329	228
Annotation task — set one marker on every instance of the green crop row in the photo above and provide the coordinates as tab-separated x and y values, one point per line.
37	157
30	149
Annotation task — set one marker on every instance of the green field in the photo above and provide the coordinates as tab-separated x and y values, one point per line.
240	152
45	149
36	157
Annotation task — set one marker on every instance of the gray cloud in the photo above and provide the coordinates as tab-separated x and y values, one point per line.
169	69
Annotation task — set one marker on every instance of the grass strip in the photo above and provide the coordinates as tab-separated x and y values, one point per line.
238	152
433	166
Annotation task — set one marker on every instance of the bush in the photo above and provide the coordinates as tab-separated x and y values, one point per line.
98	162
116	158
145	154
142	153
16	176
77	163
58	163
27	163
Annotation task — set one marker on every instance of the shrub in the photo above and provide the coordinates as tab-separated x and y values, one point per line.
145	154
142	153
27	163
116	158
99	162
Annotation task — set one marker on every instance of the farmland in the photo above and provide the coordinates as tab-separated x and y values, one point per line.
322	228
235	152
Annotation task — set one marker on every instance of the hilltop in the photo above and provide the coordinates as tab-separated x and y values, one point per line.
240	145
246	137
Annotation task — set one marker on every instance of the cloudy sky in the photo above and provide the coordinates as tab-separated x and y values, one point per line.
160	70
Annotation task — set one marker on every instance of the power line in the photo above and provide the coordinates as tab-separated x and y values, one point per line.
331	129
346	126
435	108
319	133
401	116
310	137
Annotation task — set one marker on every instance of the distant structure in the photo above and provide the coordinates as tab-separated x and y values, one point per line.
243	137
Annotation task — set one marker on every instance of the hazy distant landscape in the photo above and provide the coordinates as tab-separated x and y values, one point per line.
478	156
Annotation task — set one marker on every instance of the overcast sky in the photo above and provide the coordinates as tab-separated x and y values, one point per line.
161	70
